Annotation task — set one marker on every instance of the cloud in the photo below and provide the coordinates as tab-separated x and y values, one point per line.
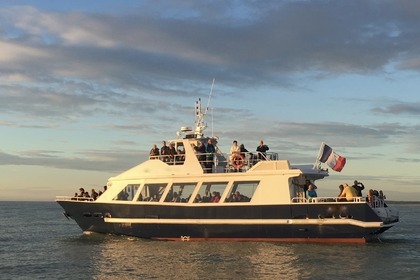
95	62
92	160
283	37
399	108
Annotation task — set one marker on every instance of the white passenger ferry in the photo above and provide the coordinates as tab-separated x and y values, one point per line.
193	196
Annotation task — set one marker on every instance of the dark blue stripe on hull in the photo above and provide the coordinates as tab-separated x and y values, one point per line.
244	232
90	217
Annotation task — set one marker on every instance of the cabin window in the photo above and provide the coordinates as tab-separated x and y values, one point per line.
180	192
210	192
127	194
242	191
151	192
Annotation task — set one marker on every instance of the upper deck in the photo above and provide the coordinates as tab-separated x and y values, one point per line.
188	161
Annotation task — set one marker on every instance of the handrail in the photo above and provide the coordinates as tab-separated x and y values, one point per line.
359	199
250	159
76	198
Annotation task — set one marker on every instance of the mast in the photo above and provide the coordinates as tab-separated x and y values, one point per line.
200	126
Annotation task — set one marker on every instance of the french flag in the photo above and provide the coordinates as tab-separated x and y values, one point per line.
332	159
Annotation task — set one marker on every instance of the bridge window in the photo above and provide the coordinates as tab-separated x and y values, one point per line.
210	192
242	191
151	192
127	194
180	192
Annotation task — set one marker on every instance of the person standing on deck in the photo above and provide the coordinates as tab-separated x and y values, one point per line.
154	151
358	186
234	149
262	149
164	152
311	192
210	150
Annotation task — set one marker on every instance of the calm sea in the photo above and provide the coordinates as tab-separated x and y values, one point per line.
38	242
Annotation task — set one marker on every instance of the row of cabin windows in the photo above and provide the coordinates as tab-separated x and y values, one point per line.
182	192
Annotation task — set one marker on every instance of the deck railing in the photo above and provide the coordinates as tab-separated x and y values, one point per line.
237	162
74	198
376	202
327	199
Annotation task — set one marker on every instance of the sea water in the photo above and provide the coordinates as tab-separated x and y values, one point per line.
38	242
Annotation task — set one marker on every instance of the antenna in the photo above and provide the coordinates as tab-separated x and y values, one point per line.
199	123
211	91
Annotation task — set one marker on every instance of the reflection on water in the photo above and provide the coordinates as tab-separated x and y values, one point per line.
122	257
110	257
51	247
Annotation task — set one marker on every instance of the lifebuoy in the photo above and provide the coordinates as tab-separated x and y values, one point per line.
238	161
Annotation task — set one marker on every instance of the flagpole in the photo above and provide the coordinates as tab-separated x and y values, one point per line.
317	158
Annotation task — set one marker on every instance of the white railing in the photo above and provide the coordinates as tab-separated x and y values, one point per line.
327	199
227	162
74	198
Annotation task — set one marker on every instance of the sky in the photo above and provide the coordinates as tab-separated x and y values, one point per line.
86	87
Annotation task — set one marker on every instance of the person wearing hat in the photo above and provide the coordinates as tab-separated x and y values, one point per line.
348	192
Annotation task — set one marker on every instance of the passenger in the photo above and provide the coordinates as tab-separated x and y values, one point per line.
307	184
76	195
197	198
164	152
262	149
101	192
123	195
244	152
175	197
239	196
234	149
216	197
154	152
181	155
94	194
207	196
171	152
310	193
155	198
348	192
82	192
86	195
210	150
201	151
381	195
358	186
339	198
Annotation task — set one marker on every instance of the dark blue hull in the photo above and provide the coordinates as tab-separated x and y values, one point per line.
342	222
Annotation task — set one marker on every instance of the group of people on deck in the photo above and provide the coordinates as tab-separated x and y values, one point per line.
261	149
347	193
205	153
168	153
85	194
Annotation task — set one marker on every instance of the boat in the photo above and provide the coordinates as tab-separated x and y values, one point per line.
192	195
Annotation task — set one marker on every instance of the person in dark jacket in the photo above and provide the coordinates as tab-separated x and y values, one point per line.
358	186
262	149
